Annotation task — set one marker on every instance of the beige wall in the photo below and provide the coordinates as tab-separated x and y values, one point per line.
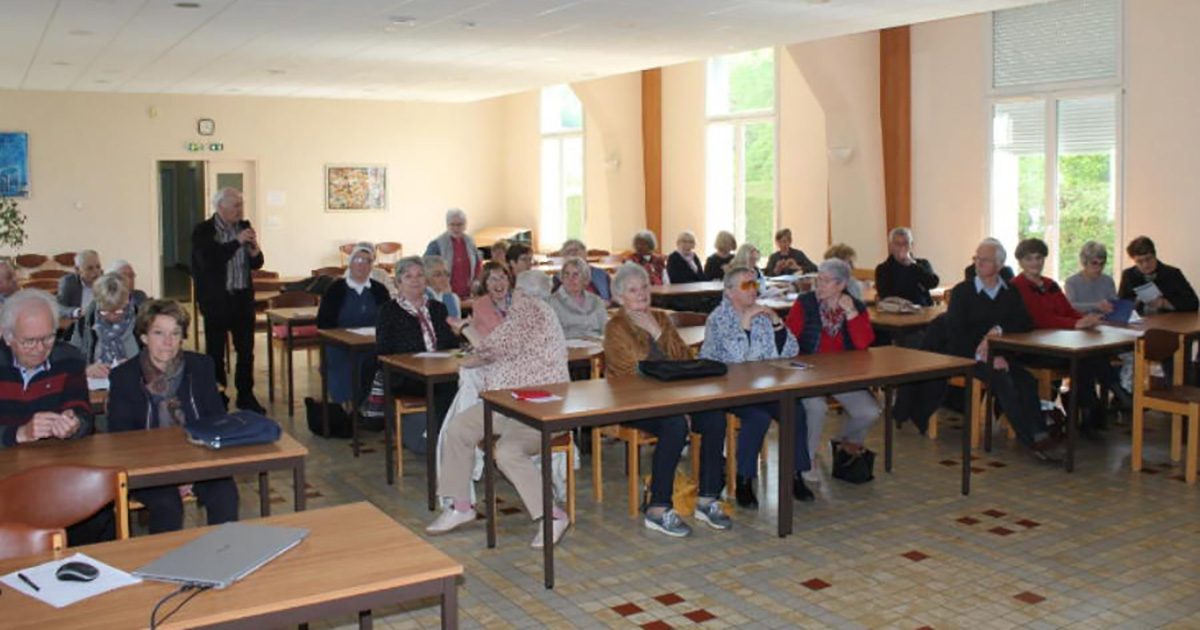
615	192
803	160
683	154
99	151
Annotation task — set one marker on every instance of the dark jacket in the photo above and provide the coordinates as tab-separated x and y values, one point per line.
129	407
1006	273
714	267
1171	282
911	282
972	314
335	296
398	332
70	291
62	387
208	263
806	265
679	271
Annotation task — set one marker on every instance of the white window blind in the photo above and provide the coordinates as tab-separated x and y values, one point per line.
1056	42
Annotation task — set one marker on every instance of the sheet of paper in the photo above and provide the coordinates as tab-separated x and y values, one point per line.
367	331
1121	330
433	355
58	593
1147	292
544	399
97	384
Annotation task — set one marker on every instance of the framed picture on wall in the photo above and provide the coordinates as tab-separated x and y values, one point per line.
355	187
14	164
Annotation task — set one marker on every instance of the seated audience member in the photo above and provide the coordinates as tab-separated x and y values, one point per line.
748	256
439	285
8	281
902	274
75	289
581	312
644	245
166	386
352	301
987	305
598	282
105	334
410	322
491	306
787	259
719	261
846	254
683	265
121	266
635	333
1177	294
824	320
740	330
499	251
527	350
458	249
1090	290
519	259
1048	308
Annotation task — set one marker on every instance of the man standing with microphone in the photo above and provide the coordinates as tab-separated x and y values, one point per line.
224	251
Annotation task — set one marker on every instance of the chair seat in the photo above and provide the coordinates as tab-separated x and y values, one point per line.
279	331
411	404
561	440
1178	393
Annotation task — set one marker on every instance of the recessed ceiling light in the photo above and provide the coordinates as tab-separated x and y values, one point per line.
468	24
187	5
276	71
80	32
60	63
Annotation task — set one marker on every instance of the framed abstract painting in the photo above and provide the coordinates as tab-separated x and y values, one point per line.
14	164
355	187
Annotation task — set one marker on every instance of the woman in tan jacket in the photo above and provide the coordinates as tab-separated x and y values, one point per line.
638	333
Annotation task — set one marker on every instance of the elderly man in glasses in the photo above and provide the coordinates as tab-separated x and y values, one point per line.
43	390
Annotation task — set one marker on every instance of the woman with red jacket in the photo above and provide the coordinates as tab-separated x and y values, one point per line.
828	319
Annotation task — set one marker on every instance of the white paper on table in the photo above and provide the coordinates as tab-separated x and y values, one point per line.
433	355
366	331
582	343
1121	330
59	593
97	384
1147	293
543	399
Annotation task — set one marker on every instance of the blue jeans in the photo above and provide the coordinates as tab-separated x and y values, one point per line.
711	427
756	419
672	434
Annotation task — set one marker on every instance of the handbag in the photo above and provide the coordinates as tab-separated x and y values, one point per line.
684	494
856	468
682	370
339	420
240	428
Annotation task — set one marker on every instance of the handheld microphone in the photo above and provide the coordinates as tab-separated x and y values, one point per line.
244	224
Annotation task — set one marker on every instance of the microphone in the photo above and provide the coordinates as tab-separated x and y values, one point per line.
244	224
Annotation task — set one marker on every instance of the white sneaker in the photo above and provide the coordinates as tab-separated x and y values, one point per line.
450	519
559	526
812	475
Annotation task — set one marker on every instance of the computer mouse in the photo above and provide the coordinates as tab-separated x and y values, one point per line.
77	572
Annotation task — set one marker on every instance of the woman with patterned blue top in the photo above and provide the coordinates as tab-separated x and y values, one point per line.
740	330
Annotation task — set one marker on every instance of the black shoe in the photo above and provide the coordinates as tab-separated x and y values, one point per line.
745	493
224	400
801	491
251	404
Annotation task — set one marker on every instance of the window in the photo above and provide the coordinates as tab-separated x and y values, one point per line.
1055	133
740	146
562	215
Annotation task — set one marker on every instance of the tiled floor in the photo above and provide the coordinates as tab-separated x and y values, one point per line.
1031	547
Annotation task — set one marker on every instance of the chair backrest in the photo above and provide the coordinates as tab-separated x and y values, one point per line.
33	261
66	259
329	271
389	248
293	299
48	274
687	318
346	248
54	497
263	273
45	284
597	252
863	275
19	539
1159	345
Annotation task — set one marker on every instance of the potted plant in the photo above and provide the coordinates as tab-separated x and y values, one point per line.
12	224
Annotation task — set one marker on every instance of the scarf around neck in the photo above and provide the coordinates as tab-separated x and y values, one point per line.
163	388
110	337
422	314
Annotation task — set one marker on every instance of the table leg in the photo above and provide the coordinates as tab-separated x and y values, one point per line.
1072	413
787	461
355	387
270	359
291	369
324	392
433	427
364	620
300	492
449	603
888	429
389	424
264	494
989	372
489	476
968	426
547	511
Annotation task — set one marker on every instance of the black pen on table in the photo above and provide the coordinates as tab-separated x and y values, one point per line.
28	581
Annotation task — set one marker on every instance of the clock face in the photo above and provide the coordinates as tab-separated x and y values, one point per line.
206	126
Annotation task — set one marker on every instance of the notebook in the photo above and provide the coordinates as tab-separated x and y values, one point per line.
1122	311
223	556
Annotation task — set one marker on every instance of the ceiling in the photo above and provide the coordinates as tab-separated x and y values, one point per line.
429	50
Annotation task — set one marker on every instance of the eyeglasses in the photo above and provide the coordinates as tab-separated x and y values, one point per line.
1099	262
117	313
749	284
30	344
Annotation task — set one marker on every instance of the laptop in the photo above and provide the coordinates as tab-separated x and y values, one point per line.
223	556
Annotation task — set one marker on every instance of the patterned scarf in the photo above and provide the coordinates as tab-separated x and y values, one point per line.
832	319
111	336
422	315
235	270
163	388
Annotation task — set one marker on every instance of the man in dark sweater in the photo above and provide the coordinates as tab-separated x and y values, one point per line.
1177	293
903	275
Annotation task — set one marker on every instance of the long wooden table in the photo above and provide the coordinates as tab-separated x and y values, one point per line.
162	457
379	564
354	344
601	402
289	318
710	287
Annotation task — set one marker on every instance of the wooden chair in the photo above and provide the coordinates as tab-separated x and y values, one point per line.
598	253
1176	399
65	259
263	273
687	318
732	426
18	539
407	405
634	440
45	284
863	275
388	252
328	271
48	274
303	337
345	249
33	261
57	496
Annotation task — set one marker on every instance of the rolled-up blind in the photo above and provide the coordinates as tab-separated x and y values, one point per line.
1056	42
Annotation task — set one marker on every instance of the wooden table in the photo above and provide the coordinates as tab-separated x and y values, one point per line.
1071	345
289	318
277	284
710	287
329	573
431	371
162	457
261	298
601	402
354	344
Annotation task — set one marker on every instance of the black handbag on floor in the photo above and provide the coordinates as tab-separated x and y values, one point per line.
682	370
339	420
853	468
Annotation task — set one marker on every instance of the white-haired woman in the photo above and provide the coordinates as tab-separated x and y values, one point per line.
683	265
599	280
581	312
105	332
458	249
122	267
352	301
644	244
748	256
439	289
1091	290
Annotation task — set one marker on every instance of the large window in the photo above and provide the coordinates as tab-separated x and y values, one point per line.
562	215
1055	172
740	146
